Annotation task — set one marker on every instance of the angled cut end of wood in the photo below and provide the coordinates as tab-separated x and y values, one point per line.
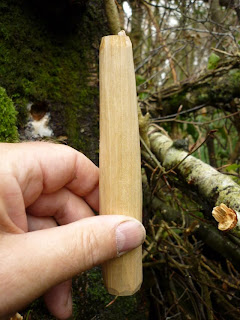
120	162
123	276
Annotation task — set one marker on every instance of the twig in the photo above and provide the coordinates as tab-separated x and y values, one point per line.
111	302
156	238
161	40
223	52
152	155
218	276
198	123
180	113
192	151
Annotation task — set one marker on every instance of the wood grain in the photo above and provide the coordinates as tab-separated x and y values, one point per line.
120	163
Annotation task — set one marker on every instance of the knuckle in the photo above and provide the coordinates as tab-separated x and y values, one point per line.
91	248
88	244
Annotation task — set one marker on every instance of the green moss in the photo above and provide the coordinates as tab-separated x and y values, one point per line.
175	101
8	118
47	58
213	61
235	78
93	301
201	95
226	87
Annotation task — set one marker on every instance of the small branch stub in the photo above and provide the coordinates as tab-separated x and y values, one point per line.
122	33
226	217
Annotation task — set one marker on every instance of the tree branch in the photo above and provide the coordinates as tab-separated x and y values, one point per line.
213	186
216	87
112	16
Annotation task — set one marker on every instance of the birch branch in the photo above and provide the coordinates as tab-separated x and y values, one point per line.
215	187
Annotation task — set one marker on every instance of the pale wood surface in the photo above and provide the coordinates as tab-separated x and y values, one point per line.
120	163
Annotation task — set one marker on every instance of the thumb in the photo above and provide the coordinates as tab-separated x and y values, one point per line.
36	261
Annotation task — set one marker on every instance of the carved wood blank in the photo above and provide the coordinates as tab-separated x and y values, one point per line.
120	164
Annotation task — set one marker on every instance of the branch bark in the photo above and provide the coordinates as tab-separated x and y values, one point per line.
216	88
112	16
213	186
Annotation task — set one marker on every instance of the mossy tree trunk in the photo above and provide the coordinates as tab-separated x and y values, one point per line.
49	52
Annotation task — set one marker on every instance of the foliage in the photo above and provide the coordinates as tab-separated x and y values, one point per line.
213	61
101	304
8	118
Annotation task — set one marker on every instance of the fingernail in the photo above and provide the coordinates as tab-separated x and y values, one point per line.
129	235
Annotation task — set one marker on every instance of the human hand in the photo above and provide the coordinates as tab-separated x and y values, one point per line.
52	190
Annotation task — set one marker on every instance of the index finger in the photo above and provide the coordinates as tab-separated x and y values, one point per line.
42	167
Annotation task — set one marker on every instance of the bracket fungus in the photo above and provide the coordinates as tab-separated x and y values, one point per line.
227	218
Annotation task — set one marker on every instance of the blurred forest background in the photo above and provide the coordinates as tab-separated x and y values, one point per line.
187	64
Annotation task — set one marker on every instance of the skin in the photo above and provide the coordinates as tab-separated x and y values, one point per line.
48	231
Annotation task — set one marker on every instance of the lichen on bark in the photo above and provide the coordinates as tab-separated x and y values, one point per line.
213	186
